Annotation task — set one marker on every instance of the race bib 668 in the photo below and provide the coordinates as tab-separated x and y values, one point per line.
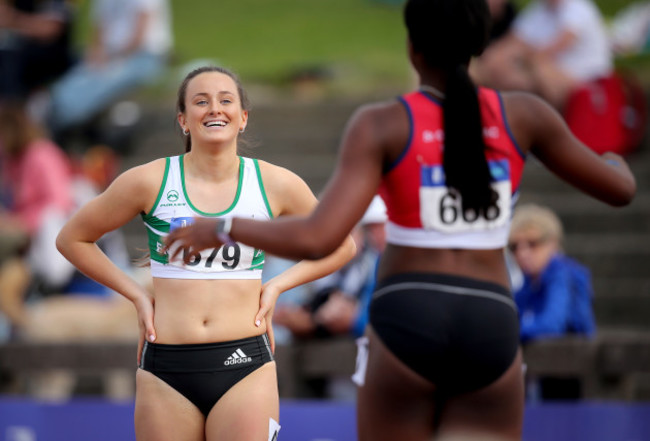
441	206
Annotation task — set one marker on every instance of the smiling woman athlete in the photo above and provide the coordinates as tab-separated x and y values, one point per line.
206	369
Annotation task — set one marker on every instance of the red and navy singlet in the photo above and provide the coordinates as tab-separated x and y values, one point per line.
422	211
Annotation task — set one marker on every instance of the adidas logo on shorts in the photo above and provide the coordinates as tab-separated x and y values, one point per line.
237	357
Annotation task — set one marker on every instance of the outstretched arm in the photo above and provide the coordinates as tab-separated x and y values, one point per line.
289	195
540	128
347	195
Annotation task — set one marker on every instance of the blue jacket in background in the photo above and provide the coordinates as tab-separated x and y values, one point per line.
558	303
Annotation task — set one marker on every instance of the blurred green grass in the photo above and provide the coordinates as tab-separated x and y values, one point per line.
353	46
269	40
359	43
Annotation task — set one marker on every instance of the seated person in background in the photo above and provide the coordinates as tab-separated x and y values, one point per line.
35	45
629	29
339	302
130	42
35	200
39	190
503	14
555	298
554	47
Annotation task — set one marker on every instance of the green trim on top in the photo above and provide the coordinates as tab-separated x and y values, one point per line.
258	259
157	224
155	243
259	180
160	192
234	203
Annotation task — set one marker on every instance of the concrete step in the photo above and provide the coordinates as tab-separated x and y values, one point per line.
581	213
621	265
609	244
538	179
617	286
621	301
624	311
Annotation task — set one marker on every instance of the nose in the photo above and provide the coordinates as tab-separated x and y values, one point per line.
215	107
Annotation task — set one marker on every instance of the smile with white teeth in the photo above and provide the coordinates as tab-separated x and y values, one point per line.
215	124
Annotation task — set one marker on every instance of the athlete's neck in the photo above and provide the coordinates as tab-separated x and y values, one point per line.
215	167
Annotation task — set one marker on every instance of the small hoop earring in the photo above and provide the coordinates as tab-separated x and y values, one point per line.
186	132
242	130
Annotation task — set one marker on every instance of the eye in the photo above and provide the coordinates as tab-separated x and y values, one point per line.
201	102
226	101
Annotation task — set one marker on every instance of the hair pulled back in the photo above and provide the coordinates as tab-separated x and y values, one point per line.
182	91
447	33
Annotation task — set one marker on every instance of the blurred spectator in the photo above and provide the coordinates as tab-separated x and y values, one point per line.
555	298
39	190
503	13
130	42
630	29
554	47
36	195
35	45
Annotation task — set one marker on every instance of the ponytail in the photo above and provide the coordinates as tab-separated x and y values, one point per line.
447	33
465	165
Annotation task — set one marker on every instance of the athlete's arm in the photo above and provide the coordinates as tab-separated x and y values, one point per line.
289	195
540	129
343	202
292	197
131	193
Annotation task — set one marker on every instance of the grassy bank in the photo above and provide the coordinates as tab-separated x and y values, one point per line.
347	46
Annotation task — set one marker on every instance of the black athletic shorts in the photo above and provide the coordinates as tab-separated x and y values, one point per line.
204	372
460	333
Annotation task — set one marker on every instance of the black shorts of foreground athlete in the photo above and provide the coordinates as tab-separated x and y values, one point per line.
443	327
191	368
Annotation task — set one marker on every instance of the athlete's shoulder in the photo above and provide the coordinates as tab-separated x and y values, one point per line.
530	116
276	176
524	101
379	123
286	190
143	177
149	170
379	111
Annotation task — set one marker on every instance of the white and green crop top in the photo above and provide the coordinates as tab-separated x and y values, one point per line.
173	208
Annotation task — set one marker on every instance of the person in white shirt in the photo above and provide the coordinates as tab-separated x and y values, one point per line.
554	46
129	45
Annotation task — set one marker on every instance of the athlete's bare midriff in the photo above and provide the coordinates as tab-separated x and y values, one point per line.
486	265
205	311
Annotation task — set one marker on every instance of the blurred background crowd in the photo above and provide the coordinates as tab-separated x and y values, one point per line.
86	90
